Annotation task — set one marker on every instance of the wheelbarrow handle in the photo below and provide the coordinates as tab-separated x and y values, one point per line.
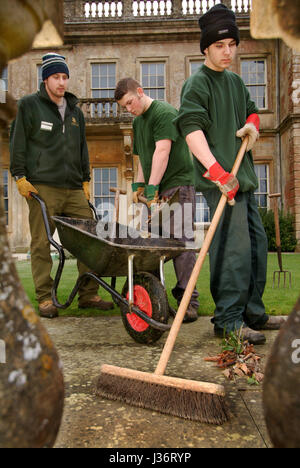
93	210
46	221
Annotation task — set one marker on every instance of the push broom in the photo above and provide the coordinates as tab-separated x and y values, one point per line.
189	399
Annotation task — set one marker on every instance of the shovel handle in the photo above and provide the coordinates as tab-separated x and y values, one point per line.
164	358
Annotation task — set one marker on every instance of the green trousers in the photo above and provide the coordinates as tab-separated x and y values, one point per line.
71	203
238	263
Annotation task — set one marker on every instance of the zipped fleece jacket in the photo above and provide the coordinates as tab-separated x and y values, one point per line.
44	148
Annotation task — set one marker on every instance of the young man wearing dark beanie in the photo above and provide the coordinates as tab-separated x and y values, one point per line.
216	113
49	156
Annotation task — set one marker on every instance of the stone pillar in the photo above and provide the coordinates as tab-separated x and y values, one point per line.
128	158
31	379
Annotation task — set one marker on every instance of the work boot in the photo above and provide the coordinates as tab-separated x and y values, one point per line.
48	310
96	302
191	314
252	336
274	322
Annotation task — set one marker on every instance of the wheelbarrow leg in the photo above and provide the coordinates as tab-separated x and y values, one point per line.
162	270
130	281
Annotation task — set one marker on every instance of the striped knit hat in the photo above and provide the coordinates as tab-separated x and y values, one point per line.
53	63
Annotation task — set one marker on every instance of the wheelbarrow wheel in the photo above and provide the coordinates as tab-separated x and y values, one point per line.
150	296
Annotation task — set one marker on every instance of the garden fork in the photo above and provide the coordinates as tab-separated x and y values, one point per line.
278	273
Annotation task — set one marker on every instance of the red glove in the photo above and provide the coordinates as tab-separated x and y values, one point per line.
251	128
227	183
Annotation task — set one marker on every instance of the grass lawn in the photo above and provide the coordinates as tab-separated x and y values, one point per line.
278	301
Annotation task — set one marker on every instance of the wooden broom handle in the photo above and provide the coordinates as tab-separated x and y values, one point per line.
168	347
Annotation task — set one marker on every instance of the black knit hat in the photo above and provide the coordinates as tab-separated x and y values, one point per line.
218	23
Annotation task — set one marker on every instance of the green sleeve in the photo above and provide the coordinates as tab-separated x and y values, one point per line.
134	147
164	128
193	113
20	131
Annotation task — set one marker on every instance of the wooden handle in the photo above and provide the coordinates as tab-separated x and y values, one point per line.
117	190
165	355
143	199
276	221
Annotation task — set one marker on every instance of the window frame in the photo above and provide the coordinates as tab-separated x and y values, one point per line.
9	198
151	60
104	166
267	84
264	163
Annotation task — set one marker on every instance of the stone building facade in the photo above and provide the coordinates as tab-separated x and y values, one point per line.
158	44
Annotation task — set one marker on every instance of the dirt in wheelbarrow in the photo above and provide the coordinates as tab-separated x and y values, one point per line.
85	343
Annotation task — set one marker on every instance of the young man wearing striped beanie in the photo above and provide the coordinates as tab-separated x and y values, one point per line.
49	156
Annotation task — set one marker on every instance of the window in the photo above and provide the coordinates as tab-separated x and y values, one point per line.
103	86
104	178
5	194
194	65
202	210
261	194
254	74
39	75
153	80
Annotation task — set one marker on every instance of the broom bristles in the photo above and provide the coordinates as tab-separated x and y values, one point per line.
188	399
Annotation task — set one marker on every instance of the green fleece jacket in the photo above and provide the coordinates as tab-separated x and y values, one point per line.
218	103
44	148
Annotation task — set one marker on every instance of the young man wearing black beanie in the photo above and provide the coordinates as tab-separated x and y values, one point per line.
216	113
49	156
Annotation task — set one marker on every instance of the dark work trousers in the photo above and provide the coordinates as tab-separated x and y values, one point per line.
238	263
71	203
184	263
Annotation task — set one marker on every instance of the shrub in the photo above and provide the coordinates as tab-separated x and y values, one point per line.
287	230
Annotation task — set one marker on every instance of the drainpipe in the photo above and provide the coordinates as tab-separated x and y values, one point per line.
279	181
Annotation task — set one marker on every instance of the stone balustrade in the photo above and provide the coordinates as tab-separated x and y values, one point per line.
103	110
133	10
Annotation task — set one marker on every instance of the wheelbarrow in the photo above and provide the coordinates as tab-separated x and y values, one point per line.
143	301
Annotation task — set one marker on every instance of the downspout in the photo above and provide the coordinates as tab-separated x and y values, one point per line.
279	182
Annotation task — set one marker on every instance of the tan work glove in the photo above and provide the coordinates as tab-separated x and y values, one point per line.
25	187
251	128
86	189
137	190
